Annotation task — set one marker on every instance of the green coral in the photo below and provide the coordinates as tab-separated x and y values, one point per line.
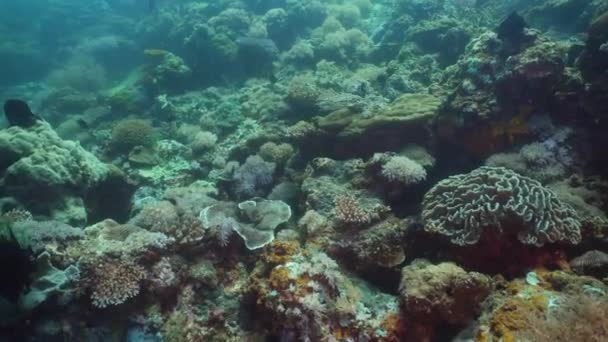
409	111
129	133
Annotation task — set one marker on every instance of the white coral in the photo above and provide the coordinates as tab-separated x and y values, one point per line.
403	170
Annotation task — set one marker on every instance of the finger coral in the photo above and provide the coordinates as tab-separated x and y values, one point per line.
114	282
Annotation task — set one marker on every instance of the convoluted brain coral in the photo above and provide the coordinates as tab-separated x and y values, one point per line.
462	206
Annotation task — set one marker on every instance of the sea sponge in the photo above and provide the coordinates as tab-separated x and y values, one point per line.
403	170
460	207
129	133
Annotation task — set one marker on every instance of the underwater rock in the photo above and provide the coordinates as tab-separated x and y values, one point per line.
331	190
569	16
511	30
41	236
462	207
111	239
494	96
405	120
381	245
445	36
306	296
443	292
166	218
165	72
50	283
37	160
591	263
141	155
562	305
593	61
408	112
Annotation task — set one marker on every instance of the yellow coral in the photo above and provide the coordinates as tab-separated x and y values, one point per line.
514	315
279	278
280	252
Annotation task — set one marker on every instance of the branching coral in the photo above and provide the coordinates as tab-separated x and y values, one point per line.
403	170
348	210
113	282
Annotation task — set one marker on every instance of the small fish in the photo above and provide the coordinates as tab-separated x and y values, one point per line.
151	5
18	113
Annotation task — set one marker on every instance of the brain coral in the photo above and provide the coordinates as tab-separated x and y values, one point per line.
129	133
462	206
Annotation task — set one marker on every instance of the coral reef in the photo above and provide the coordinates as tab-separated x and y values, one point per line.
38	161
286	170
443	292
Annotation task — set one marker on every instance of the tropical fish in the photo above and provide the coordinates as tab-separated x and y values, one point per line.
18	113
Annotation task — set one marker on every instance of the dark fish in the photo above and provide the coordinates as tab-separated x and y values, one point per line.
18	113
151	5
16	270
512	28
83	124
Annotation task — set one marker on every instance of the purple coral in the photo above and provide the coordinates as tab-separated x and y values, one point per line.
253	176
